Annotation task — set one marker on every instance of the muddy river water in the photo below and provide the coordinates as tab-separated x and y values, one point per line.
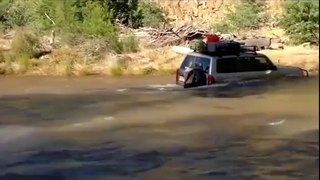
91	128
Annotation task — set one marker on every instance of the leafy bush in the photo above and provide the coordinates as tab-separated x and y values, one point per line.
246	15
22	50
130	44
301	20
86	17
62	12
66	13
22	45
149	14
15	13
96	21
4	5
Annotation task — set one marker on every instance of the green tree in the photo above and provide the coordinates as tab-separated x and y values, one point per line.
301	20
15	13
96	21
4	5
120	9
66	13
149	14
246	15
82	17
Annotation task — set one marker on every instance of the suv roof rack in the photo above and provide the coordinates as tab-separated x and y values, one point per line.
229	50
249	49
219	54
243	49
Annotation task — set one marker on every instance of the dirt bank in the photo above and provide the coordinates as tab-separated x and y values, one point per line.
181	11
296	56
165	59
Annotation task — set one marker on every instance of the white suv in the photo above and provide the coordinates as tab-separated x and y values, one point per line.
244	66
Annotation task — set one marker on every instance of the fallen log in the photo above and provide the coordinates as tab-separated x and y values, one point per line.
261	43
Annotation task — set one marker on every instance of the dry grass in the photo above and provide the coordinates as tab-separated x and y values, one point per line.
154	61
63	62
18	59
160	61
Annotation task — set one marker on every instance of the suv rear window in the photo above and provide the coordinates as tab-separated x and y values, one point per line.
203	63
187	62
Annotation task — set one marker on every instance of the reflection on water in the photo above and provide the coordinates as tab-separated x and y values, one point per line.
95	132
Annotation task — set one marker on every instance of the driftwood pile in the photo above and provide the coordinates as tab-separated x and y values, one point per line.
170	36
183	34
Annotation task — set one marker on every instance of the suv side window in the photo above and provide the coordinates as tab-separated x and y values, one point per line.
203	63
262	63
187	62
227	65
245	64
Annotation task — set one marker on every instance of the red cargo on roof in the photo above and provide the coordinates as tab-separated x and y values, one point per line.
213	38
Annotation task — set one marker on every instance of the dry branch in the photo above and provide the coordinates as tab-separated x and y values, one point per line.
170	36
53	34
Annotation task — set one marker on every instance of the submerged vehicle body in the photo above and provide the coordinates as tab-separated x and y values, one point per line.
208	68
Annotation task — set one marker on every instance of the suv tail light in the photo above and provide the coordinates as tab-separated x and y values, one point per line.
211	79
177	76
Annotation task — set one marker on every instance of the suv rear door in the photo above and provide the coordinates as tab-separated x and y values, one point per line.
247	65
227	70
194	61
186	64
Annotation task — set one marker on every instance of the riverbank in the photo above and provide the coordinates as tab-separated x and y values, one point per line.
39	46
159	61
